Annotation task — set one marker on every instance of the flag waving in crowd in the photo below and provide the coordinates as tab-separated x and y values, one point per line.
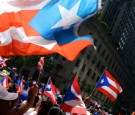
4	81
3	62
49	91
19	84
44	27
40	65
109	86
72	101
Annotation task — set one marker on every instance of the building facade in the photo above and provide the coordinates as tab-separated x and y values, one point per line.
119	16
91	63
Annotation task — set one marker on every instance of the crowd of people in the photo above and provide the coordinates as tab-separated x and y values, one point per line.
29	99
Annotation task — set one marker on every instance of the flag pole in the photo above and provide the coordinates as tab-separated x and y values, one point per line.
96	84
72	77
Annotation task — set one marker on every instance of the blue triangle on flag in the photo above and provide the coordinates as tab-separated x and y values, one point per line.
103	81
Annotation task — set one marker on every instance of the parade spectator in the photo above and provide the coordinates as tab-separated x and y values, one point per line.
8	101
55	110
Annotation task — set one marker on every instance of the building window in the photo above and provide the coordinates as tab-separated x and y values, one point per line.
97	79
94	60
93	76
113	65
88	56
83	68
106	58
102	68
77	63
103	52
98	64
99	48
95	41
110	62
89	71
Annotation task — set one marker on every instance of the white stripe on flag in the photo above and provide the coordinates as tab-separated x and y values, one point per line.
114	84
109	90
75	103
15	5
19	34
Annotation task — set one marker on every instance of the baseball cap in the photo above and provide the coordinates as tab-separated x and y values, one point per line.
5	95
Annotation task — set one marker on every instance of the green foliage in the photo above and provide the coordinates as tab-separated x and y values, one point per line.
104	25
98	14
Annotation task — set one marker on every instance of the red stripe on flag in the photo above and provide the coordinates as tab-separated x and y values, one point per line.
106	93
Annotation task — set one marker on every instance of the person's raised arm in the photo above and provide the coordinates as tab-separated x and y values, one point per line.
32	92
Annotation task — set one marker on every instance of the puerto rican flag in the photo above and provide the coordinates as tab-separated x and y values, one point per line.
36	27
40	65
40	91
3	61
19	85
109	86
4	82
49	91
72	101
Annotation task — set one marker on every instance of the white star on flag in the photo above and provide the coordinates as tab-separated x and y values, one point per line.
48	86
69	17
102	81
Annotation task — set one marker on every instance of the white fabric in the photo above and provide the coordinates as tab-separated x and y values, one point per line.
31	112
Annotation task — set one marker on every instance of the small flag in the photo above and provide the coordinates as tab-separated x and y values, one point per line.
40	65
57	91
3	61
49	91
19	84
40	91
109	86
72	101
4	82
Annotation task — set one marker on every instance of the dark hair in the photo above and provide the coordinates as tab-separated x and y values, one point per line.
56	110
45	107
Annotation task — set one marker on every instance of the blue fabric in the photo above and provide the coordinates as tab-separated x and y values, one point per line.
26	86
105	83
24	95
50	15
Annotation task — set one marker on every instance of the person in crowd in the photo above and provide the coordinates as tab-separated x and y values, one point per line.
55	110
35	108
9	100
45	107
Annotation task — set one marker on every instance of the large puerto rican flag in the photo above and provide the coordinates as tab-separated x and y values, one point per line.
72	101
109	86
35	27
